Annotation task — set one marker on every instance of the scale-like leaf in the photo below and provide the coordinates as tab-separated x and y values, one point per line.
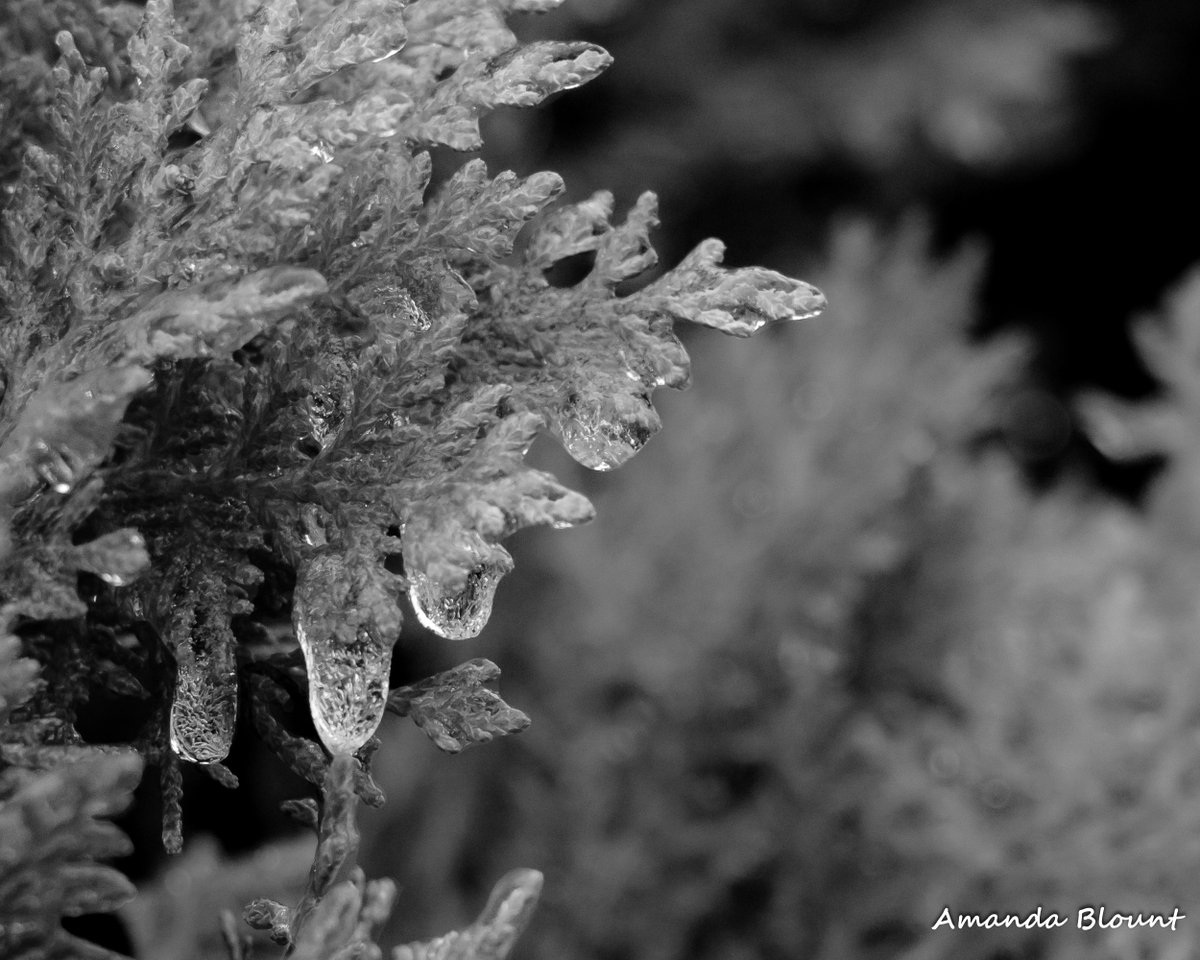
456	708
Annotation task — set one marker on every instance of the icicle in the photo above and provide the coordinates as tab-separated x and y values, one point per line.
346	621
203	713
204	708
456	615
606	431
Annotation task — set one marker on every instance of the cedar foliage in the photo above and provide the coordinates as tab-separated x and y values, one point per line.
255	360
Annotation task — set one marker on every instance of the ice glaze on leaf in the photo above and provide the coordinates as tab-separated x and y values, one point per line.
739	302
73	395
453	524
353	32
520	78
589	359
475	218
456	709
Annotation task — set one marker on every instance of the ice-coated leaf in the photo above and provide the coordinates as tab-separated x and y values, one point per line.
456	708
587	359
185	100
73	395
354	32
521	78
453	525
213	319
265	50
265	914
346	618
739	302
450	28
565	231
154	52
493	935
525	77
66	429
476	217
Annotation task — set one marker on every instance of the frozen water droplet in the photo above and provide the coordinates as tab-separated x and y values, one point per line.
456	616
347	687
346	622
603	433
204	711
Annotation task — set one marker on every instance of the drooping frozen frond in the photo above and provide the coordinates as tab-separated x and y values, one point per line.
588	359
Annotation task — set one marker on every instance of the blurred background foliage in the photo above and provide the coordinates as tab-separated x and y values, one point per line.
899	611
